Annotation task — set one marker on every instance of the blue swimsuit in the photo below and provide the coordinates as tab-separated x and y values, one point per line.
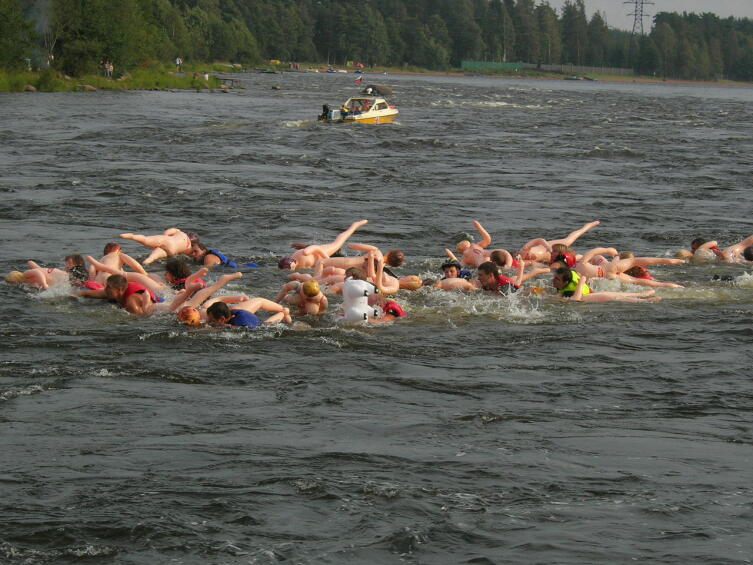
244	319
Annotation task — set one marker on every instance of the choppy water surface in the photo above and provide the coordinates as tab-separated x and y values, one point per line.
480	430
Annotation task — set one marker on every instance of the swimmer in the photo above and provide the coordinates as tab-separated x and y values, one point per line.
332	270
210	257
38	277
703	251
306	258
473	254
410	282
43	278
177	273
132	297
170	243
452	269
307	296
392	310
78	275
594	265
305	245
191	305
112	262
139	299
455	277
243	314
737	253
564	254
640	276
503	259
454	283
536	249
337	265
489	278
570	284
378	275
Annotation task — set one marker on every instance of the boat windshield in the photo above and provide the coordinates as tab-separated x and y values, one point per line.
359	104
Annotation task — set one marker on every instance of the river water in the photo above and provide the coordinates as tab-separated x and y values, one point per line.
480	430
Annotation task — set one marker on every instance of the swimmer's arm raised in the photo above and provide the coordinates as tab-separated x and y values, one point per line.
451	255
589	255
486	239
578	294
538	241
287	287
132	263
365	248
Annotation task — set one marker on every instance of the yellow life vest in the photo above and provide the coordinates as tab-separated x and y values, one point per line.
569	290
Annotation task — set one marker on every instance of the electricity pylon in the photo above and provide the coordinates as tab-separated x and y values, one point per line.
638	14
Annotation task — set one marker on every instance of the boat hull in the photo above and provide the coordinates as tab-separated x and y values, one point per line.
378	119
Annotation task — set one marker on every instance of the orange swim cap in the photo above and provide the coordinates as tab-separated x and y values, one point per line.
189	316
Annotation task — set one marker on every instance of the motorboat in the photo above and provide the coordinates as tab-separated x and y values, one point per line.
362	110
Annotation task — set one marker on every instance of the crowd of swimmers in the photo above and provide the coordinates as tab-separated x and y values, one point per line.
320	271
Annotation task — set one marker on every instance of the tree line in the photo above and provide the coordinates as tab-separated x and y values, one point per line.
76	35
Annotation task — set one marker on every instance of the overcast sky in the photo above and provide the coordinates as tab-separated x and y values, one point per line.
616	11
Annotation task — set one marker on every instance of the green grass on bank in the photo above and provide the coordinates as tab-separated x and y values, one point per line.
164	76
140	79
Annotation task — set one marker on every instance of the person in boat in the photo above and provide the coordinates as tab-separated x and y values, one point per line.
210	257
569	284
168	244
307	296
325	113
243	314
540	250
306	258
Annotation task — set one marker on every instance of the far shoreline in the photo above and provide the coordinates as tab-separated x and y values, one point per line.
210	76
590	78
